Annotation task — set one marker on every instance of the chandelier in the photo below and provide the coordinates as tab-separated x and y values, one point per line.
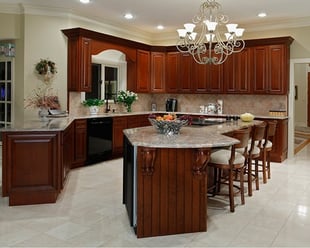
209	43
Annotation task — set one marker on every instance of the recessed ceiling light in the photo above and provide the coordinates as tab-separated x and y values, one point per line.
85	1
262	14
128	16
160	27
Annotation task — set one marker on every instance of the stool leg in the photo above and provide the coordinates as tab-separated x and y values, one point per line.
268	165
231	192
264	167
256	175
250	177
242	185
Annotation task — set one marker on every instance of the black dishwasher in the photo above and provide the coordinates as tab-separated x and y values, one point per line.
99	139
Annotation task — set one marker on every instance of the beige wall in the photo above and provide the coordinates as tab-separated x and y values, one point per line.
40	36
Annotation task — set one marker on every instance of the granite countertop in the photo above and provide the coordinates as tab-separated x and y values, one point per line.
189	137
61	123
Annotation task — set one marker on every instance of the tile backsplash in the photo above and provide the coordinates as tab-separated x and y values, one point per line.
232	104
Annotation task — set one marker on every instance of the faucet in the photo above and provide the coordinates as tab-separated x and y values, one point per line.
107	107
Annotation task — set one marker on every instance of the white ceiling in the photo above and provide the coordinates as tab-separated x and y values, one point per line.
174	13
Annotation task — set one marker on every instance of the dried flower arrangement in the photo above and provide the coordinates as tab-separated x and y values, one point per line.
43	97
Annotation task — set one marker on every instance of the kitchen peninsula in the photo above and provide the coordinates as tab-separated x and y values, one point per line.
165	177
38	156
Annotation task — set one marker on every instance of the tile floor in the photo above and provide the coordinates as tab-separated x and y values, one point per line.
89	213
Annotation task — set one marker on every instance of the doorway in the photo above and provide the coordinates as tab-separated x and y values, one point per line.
291	104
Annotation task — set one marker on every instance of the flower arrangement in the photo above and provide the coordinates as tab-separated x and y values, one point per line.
45	66
43	98
127	98
93	102
47	69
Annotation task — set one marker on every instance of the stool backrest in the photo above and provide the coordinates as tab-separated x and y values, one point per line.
258	134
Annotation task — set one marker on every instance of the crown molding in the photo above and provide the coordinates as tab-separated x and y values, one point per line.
10	8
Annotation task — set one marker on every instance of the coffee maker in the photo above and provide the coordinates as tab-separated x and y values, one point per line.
171	105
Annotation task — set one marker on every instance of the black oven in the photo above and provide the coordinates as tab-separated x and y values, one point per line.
99	139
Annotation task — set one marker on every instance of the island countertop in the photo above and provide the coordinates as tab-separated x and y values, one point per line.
189	137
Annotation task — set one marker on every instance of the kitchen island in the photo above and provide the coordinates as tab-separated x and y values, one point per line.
165	177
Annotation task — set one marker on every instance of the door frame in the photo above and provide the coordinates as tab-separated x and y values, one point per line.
291	99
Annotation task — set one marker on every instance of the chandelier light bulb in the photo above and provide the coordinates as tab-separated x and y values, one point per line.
231	28
189	27
182	33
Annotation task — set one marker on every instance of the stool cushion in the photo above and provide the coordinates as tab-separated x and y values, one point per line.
255	151
222	157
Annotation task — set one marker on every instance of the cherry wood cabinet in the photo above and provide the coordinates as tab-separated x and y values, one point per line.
207	78
123	122
270	69
79	64
33	170
119	124
80	142
143	71
158	65
237	76
68	152
172	72
185	73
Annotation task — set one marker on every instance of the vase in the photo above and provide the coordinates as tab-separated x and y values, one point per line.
128	107
93	110
43	113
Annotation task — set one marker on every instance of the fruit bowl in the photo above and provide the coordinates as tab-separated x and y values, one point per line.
168	127
247	117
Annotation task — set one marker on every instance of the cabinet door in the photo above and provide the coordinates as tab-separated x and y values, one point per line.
172	72
80	141
119	124
237	72
79	64
277	65
157	72
185	71
143	71
215	78
68	150
200	79
32	167
260	69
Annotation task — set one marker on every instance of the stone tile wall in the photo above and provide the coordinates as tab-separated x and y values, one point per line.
232	104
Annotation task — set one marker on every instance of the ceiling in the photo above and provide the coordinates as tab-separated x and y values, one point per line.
172	14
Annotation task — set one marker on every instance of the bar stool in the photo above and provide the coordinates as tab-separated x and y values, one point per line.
254	151
266	147
231	162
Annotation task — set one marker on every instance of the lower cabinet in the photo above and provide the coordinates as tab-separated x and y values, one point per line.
80	143
32	168
123	122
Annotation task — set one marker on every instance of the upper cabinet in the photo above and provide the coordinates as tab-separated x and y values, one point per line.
261	68
237	76
143	71
270	68
79	64
158	65
172	72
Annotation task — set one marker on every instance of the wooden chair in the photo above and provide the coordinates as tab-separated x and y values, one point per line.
231	162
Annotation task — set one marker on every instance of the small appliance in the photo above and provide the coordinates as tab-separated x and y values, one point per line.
171	105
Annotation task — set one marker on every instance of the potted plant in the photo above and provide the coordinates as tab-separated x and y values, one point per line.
93	104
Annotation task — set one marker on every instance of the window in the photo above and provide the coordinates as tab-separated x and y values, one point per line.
109	74
6	81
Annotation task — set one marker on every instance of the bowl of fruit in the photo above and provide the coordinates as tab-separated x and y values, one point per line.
168	124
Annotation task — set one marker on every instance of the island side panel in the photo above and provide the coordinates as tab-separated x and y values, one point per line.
171	196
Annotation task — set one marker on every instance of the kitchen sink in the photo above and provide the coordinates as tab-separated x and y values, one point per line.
202	121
